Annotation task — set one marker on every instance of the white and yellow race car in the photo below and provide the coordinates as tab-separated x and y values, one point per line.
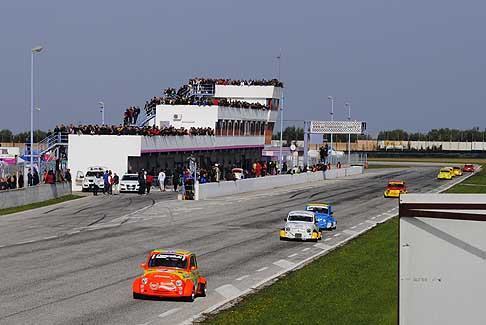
300	225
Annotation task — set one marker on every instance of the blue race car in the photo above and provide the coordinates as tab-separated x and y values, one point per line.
324	215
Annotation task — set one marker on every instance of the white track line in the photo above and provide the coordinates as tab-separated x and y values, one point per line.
327	239
353	227
306	249
228	291
262	269
337	235
284	264
169	312
292	255
243	277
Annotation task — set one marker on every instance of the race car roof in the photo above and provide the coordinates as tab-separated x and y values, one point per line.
171	251
317	204
396	182
301	213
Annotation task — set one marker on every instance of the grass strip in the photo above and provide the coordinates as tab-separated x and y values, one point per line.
36	205
355	284
473	185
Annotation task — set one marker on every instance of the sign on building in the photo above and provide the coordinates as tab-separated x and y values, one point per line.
337	127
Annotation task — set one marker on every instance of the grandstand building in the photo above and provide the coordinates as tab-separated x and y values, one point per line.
242	117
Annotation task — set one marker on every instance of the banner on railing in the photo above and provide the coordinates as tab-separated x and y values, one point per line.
337	127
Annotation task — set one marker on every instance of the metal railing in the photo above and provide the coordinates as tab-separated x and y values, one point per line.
200	90
52	141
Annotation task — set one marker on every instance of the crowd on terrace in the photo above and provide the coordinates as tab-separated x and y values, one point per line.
131	115
129	130
184	95
235	82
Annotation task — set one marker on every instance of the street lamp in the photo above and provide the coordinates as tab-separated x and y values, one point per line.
348	106
102	110
35	50
280	155
332	116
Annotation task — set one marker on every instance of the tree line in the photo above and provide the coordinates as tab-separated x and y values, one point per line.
443	134
22	137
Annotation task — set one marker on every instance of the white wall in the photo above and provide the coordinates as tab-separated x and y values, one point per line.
441	282
247	92
442	260
200	142
187	116
210	190
108	151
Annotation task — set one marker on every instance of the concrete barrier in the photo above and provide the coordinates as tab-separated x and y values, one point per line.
210	190
14	198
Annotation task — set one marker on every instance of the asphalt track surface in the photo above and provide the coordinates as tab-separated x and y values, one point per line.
74	263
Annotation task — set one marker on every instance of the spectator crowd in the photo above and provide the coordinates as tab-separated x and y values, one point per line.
130	130
235	82
184	95
131	115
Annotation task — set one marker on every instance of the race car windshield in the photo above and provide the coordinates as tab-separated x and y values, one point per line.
168	260
445	170
300	218
94	174
395	185
129	178
318	209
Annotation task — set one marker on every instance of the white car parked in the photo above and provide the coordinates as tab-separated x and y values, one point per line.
129	183
300	225
93	175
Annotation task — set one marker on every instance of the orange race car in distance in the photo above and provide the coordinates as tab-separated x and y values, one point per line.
170	274
395	188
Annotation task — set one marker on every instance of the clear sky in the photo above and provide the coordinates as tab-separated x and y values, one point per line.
402	64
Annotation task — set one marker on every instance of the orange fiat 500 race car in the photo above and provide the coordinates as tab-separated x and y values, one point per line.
170	274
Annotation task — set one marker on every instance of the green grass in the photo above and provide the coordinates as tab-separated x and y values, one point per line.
356	284
38	204
474	184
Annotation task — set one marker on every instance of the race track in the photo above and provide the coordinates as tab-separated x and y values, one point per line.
74	263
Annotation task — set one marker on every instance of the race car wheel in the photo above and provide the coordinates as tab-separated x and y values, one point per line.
203	290
137	296
192	296
283	238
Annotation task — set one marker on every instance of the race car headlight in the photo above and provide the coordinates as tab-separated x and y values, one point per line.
144	280
309	230
287	228
178	283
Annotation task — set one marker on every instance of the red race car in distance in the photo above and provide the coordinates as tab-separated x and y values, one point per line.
468	168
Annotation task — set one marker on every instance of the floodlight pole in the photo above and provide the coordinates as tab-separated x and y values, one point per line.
348	106
332	117
35	50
